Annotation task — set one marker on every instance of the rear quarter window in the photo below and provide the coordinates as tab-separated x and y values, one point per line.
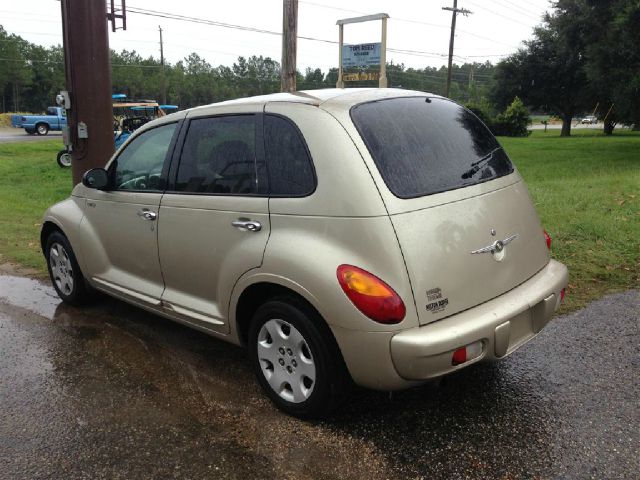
423	146
289	165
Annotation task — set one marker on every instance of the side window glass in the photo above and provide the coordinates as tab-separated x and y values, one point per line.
219	156
139	166
288	163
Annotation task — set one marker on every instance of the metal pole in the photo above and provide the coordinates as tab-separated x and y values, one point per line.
289	45
88	80
382	83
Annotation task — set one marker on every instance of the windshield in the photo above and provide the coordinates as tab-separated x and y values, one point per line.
423	146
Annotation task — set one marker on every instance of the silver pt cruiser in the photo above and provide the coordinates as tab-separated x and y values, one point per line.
378	236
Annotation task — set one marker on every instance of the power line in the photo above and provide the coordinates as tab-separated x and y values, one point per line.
172	16
499	14
516	9
418	22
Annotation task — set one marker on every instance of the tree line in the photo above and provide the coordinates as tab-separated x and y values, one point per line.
32	75
583	57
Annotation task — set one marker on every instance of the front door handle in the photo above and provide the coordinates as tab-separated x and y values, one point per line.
147	214
250	225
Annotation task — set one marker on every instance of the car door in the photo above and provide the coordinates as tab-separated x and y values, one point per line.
119	229
214	222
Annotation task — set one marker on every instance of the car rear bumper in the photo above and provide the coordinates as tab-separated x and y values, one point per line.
397	360
502	325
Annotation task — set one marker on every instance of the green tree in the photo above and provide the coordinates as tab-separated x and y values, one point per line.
549	72
612	34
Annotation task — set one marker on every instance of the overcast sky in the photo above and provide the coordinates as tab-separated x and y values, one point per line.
495	28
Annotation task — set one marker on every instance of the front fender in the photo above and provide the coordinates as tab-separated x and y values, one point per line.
66	216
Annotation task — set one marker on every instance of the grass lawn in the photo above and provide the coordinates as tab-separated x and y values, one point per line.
587	192
30	181
586	189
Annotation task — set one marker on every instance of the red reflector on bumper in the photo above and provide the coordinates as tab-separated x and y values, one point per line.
459	356
467	353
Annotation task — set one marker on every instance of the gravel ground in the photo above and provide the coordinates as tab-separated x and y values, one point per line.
110	391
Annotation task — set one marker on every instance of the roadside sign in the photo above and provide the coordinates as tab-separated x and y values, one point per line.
360	77
362	55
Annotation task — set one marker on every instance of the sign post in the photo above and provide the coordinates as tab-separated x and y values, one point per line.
365	54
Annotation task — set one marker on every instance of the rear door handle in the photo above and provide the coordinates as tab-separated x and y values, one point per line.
250	225
147	214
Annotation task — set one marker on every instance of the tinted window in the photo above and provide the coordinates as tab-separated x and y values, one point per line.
289	165
422	147
219	156
52	111
139	166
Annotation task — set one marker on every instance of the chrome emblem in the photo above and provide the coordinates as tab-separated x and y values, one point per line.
493	232
497	246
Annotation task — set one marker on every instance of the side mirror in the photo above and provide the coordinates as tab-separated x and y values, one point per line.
97	178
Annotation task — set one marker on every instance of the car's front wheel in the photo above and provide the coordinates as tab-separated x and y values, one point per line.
296	359
42	129
64	270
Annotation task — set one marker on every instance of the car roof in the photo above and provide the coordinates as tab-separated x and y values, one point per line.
330	98
335	96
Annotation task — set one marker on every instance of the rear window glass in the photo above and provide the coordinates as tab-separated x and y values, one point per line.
423	146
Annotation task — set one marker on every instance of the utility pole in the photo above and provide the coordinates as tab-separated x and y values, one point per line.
163	85
88	83
454	11
289	45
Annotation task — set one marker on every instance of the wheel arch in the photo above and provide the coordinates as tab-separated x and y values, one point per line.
48	227
248	297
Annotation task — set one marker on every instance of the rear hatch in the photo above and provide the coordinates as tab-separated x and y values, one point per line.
463	217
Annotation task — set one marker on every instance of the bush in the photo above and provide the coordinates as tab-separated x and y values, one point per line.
512	122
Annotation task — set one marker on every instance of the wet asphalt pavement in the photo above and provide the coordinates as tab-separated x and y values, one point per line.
110	391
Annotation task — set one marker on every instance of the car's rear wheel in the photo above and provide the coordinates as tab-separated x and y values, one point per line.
42	129
64	270
64	159
296	359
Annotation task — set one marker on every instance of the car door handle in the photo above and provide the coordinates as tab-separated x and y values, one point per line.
147	214
250	225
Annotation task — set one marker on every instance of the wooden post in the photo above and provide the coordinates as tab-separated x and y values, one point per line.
88	80
289	45
451	40
340	83
382	83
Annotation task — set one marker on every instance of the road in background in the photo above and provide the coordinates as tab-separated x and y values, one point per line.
111	391
8	134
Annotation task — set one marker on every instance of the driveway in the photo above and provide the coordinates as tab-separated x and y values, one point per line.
110	391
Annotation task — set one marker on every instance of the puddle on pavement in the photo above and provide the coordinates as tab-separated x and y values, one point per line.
30	294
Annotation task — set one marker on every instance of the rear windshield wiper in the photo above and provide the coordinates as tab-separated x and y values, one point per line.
476	166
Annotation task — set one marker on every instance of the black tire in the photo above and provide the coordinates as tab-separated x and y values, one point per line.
29	131
63	266
331	378
42	128
64	159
